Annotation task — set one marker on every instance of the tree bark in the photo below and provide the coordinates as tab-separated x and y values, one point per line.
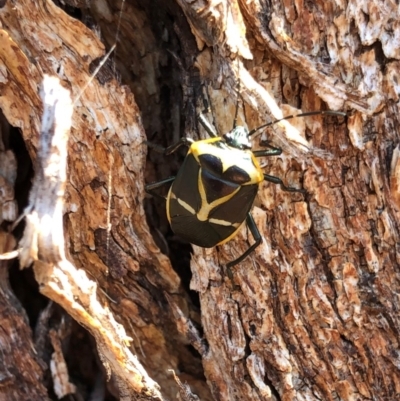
313	313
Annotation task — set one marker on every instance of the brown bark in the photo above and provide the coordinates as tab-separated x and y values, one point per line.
313	312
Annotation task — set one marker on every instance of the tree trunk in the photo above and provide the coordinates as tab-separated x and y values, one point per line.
312	314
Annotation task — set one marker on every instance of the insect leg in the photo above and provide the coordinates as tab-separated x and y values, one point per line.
278	181
257	238
150	188
170	149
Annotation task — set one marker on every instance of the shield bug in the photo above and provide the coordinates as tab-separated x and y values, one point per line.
212	194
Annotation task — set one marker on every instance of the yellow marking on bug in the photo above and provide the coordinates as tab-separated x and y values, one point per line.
244	159
224	223
169	197
206	207
186	206
232	235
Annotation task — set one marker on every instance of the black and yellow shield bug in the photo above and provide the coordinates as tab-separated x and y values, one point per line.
212	194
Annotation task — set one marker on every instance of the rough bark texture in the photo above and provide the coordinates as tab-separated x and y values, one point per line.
313	314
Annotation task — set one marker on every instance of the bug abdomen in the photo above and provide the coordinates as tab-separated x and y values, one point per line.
205	209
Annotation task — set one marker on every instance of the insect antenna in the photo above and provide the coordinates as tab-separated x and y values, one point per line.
309	113
237	99
207	108
94	74
104	58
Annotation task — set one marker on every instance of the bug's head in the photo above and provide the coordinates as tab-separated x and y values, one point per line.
238	138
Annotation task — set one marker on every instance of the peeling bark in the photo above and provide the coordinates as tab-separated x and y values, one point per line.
313	313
